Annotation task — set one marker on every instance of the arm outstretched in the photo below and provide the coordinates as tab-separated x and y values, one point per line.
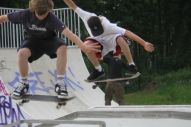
147	46
70	4
87	48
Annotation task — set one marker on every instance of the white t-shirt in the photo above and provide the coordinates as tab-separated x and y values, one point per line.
109	28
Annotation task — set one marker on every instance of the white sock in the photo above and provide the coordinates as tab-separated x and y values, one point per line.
24	80
60	78
131	63
99	68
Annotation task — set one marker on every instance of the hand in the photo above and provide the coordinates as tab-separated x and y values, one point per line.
149	47
91	47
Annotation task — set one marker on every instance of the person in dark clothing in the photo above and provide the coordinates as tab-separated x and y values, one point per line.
115	88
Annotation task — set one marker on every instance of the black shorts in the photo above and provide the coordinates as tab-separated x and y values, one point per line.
41	47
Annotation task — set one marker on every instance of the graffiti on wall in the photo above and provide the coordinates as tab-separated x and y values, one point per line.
2	89
37	84
9	112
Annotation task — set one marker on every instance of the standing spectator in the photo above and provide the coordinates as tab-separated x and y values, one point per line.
114	88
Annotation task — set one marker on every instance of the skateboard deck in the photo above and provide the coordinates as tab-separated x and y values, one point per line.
49	98
114	80
117	79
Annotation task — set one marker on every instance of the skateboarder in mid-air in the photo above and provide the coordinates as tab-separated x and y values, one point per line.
109	36
41	27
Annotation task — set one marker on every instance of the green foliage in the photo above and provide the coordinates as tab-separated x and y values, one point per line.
14	3
166	24
170	88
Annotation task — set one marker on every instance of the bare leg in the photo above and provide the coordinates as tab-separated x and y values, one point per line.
61	60
98	72
23	55
94	60
60	87
92	56
125	48
22	86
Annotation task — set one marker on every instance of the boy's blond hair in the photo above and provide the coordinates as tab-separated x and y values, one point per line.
41	6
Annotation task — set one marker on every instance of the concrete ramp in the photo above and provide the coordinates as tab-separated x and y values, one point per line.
42	77
87	110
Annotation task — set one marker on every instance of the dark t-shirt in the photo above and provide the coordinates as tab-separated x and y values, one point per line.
35	28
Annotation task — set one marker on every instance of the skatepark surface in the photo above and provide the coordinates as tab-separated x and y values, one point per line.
87	109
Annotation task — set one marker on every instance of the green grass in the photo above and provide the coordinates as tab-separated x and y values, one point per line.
170	88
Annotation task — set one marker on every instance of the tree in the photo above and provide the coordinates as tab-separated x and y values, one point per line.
167	24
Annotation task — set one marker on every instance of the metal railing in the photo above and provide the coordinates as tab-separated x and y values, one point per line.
11	35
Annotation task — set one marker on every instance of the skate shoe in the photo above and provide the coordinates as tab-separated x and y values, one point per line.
20	90
131	70
96	75
61	90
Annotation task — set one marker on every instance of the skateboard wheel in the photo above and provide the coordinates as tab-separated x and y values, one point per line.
20	103
63	103
58	106
94	86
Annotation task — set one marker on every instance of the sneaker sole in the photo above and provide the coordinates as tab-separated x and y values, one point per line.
16	97
62	97
98	78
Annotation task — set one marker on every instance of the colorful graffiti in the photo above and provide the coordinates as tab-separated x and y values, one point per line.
2	88
8	112
73	84
37	84
34	80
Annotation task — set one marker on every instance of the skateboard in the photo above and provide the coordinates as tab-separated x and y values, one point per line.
49	98
115	79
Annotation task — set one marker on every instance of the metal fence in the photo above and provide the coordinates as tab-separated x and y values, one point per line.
11	35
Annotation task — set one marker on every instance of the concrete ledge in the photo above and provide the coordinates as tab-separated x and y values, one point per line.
57	122
151	111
